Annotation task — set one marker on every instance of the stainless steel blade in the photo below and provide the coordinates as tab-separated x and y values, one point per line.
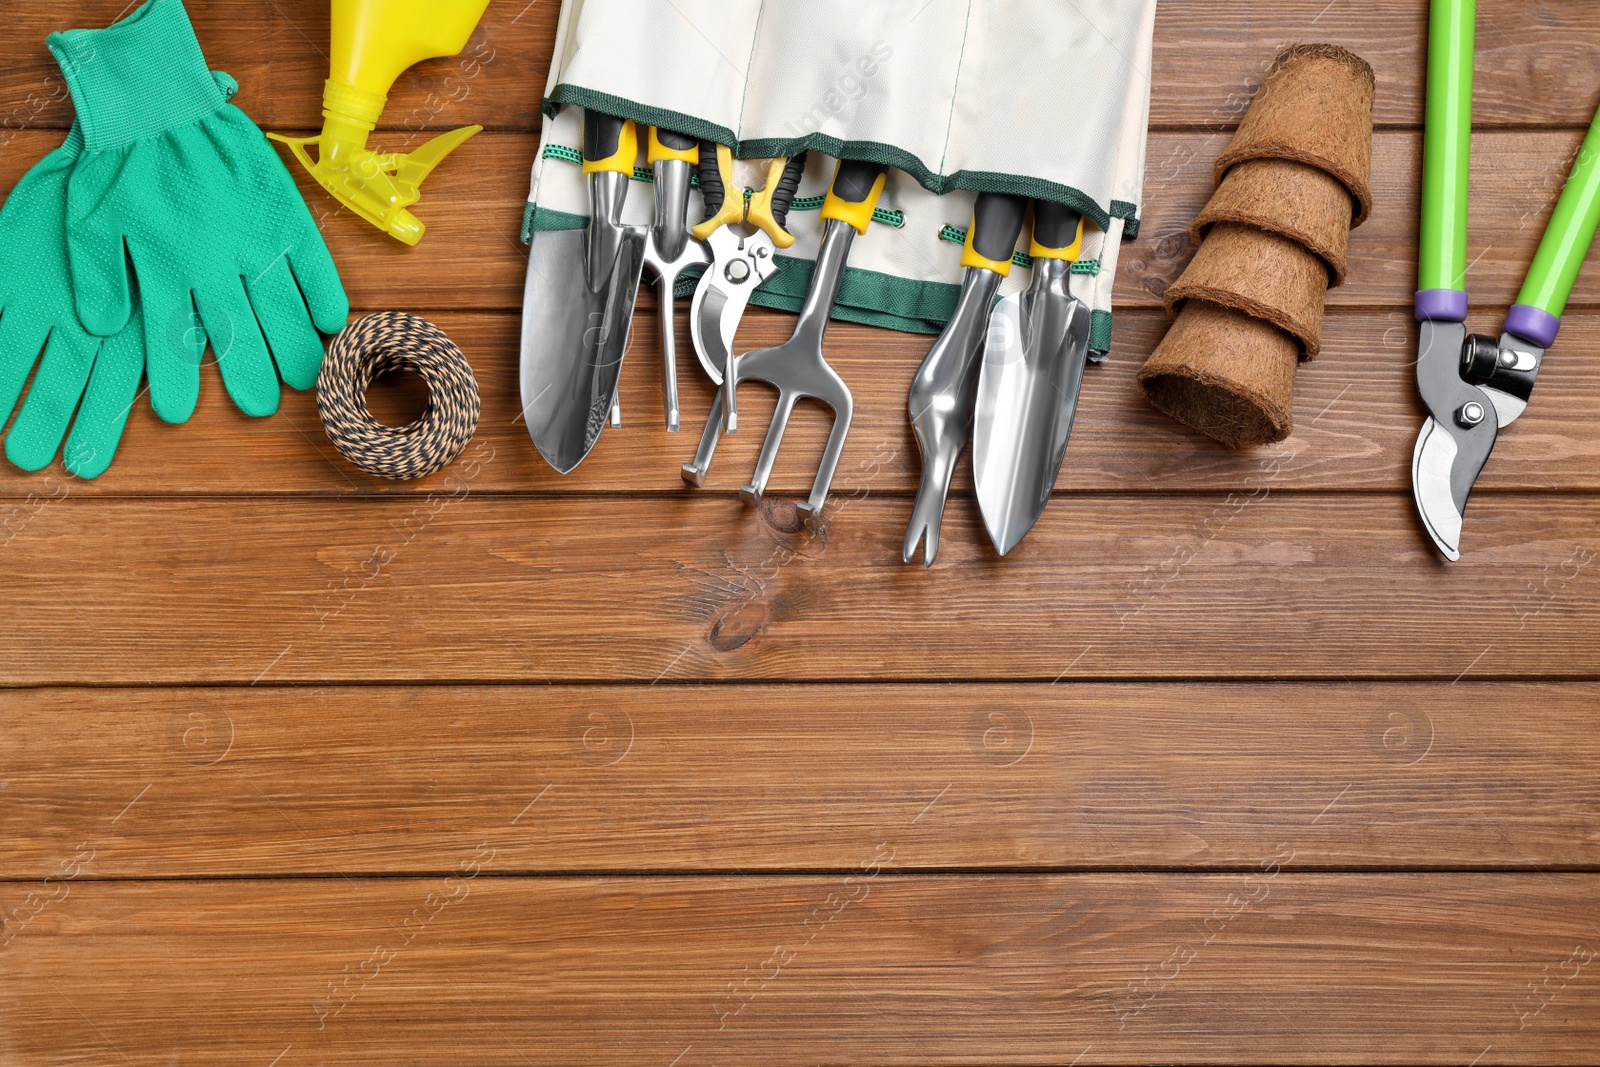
941	403
738	267
1452	449
574	336
1037	347
712	336
1431	463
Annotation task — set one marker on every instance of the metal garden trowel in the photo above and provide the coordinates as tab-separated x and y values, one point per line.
944	391
577	306
1034	355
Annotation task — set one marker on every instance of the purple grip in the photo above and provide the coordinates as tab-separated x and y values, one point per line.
1532	324
1441	305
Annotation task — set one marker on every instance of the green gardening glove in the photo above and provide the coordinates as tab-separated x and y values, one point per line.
36	303
183	184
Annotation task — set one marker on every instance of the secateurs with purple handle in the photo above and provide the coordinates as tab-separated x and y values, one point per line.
1474	385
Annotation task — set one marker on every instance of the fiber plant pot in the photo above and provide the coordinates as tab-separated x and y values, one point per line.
1316	109
1226	374
1269	277
1290	199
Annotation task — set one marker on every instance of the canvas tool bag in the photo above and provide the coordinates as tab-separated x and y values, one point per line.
1041	98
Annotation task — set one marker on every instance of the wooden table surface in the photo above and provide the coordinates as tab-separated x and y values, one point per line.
1221	765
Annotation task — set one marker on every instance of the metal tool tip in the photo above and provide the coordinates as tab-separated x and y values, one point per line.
927	538
1005	539
750	495
693	475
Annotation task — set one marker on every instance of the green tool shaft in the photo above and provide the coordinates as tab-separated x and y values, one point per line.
1447	146
1571	231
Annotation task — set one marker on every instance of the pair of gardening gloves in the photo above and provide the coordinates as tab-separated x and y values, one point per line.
164	221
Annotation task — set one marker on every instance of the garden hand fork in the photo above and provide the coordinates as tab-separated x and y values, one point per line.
797	367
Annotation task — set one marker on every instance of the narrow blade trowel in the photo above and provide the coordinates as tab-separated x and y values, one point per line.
944	392
577	306
1034	355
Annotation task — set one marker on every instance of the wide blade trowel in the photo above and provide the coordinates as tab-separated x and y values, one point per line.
577	306
1034	355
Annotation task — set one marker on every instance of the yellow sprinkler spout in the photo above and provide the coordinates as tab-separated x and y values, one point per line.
373	42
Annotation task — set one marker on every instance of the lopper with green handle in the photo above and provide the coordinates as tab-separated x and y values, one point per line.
1474	385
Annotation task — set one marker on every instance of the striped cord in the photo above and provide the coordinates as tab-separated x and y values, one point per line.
392	340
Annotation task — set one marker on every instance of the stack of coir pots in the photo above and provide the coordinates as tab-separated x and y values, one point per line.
1274	238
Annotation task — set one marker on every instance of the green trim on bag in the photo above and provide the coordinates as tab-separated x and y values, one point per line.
1129	213
865	296
536	219
869	151
629	109
688	281
1100	331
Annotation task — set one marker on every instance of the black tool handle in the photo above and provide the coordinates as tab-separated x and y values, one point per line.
606	140
673	139
788	186
996	225
1055	226
711	190
856	177
857	185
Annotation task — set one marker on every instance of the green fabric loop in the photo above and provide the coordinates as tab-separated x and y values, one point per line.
138	78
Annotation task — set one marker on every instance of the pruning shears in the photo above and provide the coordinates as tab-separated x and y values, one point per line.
740	261
1473	385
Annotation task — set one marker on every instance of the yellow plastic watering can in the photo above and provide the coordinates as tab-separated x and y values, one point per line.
373	41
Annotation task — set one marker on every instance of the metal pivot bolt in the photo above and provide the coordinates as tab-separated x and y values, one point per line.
1470	414
737	271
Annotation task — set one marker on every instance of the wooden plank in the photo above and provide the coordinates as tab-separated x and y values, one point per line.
1209	59
352	781
1356	413
472	257
1264	965
452	587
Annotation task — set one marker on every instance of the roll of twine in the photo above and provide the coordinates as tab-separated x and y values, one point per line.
394	340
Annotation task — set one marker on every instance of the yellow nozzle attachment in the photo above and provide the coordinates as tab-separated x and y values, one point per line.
372	42
378	186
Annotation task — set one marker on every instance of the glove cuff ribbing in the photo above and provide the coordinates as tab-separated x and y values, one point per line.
138	77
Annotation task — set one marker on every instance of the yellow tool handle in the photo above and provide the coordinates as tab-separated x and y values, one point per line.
1057	232
609	143
716	179
854	194
769	208
666	144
